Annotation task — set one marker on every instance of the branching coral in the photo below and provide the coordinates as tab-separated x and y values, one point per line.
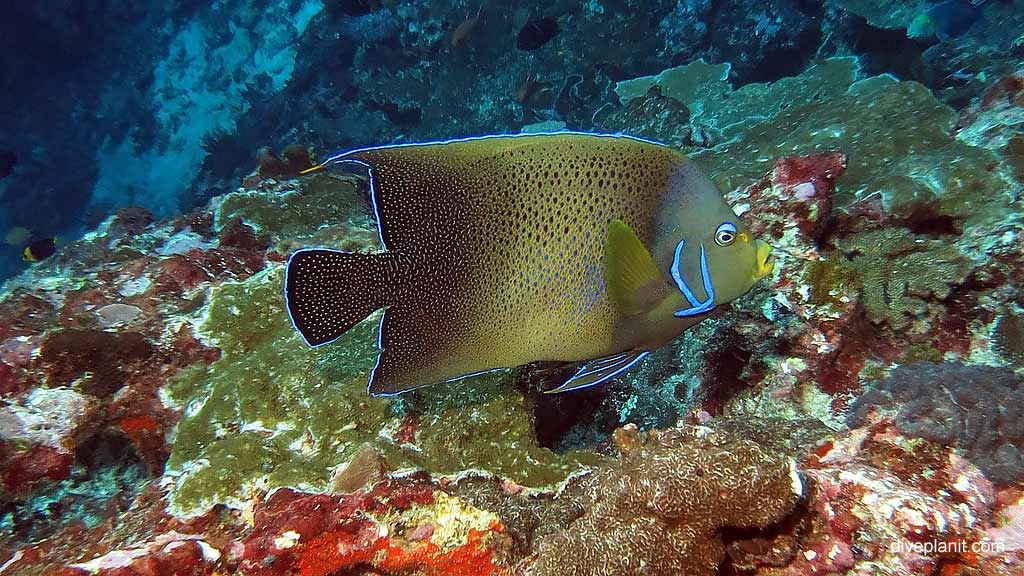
660	509
979	409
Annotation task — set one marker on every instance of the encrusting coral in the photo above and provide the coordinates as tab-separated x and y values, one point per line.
904	159
978	409
1008	337
897	272
661	508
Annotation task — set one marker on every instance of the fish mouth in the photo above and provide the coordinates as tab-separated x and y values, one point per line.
765	262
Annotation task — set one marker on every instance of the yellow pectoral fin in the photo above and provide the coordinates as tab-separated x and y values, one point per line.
630	273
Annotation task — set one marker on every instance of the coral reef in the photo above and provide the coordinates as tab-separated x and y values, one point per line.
661	508
393	528
896	273
192	90
720	112
880	499
975	408
158	414
193	330
915	133
99	355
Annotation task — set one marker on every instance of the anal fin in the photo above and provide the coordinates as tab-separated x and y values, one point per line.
600	370
417	349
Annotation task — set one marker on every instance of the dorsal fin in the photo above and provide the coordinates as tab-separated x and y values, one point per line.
412	188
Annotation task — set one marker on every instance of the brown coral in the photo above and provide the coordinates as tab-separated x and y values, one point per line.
1008	337
898	273
103	356
661	508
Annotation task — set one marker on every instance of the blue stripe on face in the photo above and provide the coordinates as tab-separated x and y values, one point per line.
696	306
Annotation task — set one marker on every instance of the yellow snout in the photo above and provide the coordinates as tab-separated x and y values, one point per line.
765	263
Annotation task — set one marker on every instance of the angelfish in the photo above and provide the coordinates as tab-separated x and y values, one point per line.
505	250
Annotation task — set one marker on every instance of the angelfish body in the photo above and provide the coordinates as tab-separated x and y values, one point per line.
505	250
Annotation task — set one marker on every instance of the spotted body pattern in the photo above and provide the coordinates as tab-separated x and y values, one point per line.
494	253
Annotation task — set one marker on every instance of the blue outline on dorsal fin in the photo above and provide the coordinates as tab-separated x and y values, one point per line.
340	156
345	157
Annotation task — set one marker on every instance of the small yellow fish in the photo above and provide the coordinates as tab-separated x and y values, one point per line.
504	250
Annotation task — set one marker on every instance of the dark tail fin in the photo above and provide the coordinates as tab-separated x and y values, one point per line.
328	291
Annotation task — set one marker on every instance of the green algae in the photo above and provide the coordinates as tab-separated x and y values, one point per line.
318	204
233	320
265	410
483	424
690	84
753	103
723	113
897	136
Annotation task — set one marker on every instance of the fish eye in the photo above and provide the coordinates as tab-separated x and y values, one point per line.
726	234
